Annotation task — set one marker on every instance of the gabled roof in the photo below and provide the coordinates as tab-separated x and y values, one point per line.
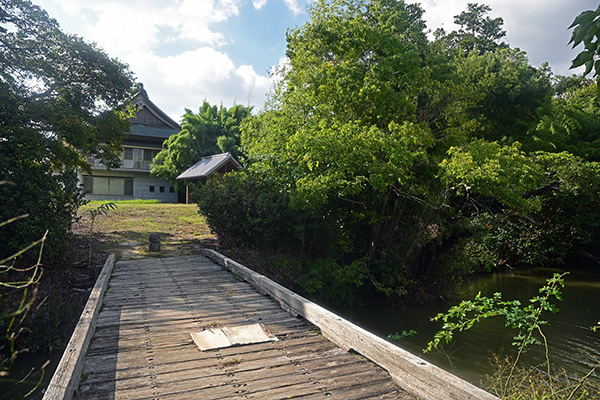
208	165
151	120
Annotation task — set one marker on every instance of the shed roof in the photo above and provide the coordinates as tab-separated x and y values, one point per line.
207	165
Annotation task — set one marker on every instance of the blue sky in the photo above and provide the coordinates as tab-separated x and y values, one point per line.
185	51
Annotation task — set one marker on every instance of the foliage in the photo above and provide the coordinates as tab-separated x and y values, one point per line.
477	31
534	383
506	94
510	380
493	170
401	336
241	208
525	319
570	122
17	292
61	100
327	281
102	209
212	130
587	31
405	164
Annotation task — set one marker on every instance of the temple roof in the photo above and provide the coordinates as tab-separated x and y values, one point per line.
151	121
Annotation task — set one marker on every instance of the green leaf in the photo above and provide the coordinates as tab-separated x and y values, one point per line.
588	67
582	58
585	16
579	34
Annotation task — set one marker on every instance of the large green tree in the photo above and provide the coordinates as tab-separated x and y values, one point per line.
209	131
407	162
61	100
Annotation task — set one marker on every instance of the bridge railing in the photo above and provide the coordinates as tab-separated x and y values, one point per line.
412	373
68	373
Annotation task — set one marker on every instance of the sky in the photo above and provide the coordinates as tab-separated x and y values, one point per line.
222	51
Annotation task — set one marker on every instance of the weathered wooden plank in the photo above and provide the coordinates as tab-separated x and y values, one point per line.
142	347
261	378
66	378
215	371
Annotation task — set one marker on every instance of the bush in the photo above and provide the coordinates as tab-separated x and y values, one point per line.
50	198
243	209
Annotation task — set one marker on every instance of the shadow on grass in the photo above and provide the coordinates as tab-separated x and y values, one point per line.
129	245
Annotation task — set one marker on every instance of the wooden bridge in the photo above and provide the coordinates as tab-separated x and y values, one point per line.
134	342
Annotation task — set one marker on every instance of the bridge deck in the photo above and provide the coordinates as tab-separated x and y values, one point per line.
142	347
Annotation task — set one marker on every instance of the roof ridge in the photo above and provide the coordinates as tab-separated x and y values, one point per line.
216	155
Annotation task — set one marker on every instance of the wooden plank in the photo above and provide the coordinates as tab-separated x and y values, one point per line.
66	378
142	348
411	372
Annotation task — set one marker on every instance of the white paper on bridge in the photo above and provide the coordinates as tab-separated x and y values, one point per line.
230	336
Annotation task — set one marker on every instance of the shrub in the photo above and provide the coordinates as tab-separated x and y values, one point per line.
243	209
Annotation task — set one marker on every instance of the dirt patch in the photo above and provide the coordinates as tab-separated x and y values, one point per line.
126	230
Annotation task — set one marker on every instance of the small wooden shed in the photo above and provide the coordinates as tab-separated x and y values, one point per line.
207	166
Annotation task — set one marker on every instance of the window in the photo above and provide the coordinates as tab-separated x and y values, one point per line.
151	189
105	185
136	158
161	189
88	184
171	189
128	187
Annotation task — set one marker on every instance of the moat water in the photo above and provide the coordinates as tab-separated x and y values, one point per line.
573	346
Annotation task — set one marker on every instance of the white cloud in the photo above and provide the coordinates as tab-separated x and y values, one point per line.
186	80
293	6
258	4
122	27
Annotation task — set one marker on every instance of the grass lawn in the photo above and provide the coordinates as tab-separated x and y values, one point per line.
126	229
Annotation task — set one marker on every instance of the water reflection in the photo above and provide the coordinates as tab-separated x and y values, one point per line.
573	345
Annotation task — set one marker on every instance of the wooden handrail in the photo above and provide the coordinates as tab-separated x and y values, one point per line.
412	373
68	373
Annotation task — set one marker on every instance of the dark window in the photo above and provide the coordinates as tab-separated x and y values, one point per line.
171	189
128	187
151	189
162	189
88	184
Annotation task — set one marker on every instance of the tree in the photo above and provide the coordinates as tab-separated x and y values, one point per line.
61	100
213	129
405	163
505	93
477	32
352	137
571	121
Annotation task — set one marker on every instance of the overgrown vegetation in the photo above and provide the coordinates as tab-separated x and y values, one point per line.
392	165
209	131
512	380
61	100
18	286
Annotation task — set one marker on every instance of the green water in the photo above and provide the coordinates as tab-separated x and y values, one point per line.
573	346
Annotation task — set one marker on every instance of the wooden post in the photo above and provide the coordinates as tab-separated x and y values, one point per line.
187	192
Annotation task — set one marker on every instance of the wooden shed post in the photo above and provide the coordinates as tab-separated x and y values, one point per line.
187	192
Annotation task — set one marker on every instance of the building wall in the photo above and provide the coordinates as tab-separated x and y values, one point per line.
142	186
